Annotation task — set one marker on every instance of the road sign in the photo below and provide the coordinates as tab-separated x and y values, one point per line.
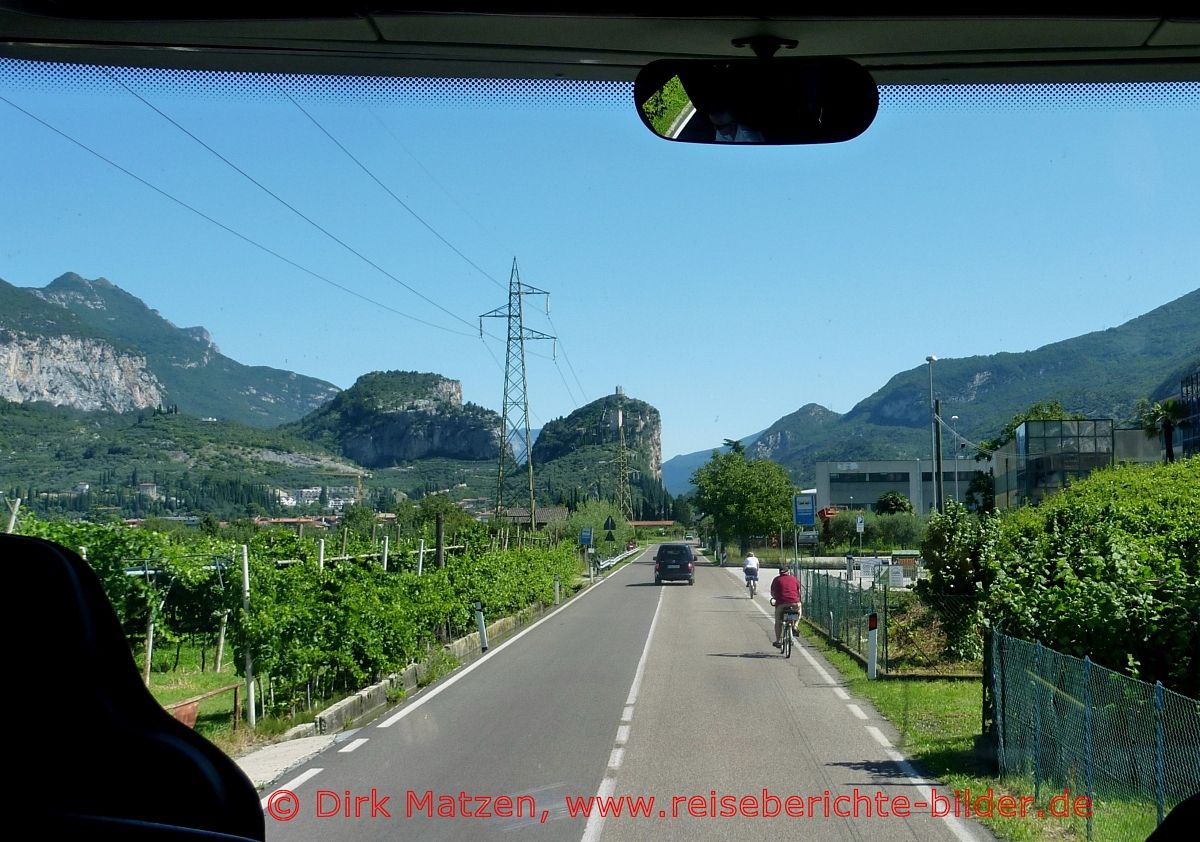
609	536
860	525
610	524
804	509
585	536
806	539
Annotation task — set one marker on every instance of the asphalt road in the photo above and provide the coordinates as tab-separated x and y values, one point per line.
632	689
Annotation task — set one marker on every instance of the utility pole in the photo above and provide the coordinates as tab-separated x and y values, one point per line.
624	495
514	415
939	492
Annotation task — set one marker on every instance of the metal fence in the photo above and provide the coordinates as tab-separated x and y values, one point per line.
1131	748
918	634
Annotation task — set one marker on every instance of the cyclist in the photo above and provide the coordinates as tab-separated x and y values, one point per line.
785	592
750	569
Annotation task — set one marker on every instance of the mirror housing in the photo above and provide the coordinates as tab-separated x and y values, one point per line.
756	101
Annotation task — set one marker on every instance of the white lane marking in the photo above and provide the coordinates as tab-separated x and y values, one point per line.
352	745
641	667
820	669
622	735
923	785
857	711
469	668
292	784
627	714
878	735
595	822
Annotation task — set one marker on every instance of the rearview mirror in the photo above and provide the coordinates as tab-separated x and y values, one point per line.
756	101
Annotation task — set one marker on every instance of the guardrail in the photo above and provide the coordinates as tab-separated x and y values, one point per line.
609	562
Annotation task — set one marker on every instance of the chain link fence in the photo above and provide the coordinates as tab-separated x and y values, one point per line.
1131	748
918	633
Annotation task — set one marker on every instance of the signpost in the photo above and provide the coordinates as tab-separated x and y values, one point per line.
804	513
804	509
585	536
860	526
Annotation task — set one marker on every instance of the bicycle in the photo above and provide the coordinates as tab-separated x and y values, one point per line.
789	632
752	585
788	636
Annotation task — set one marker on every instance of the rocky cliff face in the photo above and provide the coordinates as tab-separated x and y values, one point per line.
86	374
595	424
389	418
78	343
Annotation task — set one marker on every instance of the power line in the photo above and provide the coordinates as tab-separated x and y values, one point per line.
563	377
445	190
567	357
428	226
285	203
227	228
387	189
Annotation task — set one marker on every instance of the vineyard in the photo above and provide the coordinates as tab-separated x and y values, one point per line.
313	629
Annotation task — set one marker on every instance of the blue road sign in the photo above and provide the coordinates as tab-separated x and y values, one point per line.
804	509
585	536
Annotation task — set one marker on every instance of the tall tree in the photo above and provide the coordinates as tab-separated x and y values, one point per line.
1161	419
892	503
744	498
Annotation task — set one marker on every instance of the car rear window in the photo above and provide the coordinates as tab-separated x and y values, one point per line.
674	552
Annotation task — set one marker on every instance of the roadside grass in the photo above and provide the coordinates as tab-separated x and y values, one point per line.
938	720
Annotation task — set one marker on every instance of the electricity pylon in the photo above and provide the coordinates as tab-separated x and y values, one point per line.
514	414
624	494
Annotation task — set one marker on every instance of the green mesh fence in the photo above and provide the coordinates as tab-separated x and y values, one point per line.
918	633
1131	748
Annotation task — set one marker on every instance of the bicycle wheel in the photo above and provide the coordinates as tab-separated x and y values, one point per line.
787	640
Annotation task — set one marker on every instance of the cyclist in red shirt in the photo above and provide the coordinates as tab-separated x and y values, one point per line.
785	591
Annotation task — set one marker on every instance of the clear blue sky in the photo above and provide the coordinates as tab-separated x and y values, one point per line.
728	286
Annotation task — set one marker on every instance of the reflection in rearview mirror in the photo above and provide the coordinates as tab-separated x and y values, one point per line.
756	101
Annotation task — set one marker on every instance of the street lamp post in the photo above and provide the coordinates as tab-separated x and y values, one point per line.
931	359
957	448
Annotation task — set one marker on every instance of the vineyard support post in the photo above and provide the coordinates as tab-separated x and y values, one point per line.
246	609
221	639
483	644
439	553
320	553
385	553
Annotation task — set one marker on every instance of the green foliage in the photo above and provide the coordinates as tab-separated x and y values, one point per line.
881	533
744	498
455	521
338	627
665	105
961	567
892	502
1108	568
594	513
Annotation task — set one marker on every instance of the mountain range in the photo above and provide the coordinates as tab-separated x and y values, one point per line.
1101	374
90	345
87	346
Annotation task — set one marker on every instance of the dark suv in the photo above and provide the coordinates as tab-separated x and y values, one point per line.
674	561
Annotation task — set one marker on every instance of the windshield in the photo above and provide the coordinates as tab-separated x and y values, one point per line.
328	324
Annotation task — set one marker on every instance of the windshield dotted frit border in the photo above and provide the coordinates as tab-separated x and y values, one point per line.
542	94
